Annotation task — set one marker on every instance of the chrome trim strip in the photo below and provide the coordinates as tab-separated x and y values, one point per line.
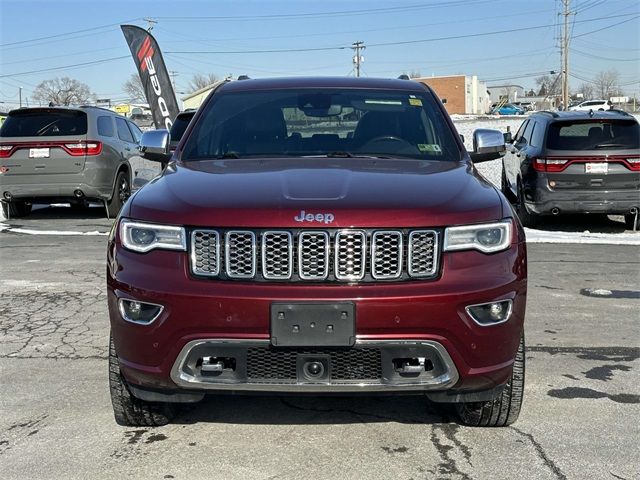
264	254
363	255
508	316
399	256
435	257
253	253
327	249
138	322
447	380
193	258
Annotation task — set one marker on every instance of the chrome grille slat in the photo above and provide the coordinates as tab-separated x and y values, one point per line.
386	254
313	255
277	255
350	250
347	255
423	253
205	253
240	254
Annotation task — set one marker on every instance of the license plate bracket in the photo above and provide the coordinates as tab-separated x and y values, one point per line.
39	152
313	324
599	167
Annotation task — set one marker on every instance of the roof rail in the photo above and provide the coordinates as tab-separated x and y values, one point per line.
549	112
404	76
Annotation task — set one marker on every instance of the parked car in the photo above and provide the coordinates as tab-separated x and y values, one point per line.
508	109
592	105
293	246
180	124
67	154
575	162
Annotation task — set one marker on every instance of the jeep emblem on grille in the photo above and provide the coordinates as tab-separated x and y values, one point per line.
314	217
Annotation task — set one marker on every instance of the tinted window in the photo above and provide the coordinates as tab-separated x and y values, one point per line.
587	135
520	131
44	123
537	136
527	131
135	131
307	122
123	130
105	126
179	126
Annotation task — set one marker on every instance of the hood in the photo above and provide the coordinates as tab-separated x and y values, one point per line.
317	192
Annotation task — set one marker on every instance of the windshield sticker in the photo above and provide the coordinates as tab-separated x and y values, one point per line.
416	102
429	147
383	102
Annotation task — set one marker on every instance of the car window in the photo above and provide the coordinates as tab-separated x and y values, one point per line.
590	134
321	121
537	136
180	125
520	131
44	123
123	131
135	131
105	126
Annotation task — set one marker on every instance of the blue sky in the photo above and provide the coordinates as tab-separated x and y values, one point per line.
241	26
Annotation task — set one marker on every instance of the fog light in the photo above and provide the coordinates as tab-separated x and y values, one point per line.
491	313
139	312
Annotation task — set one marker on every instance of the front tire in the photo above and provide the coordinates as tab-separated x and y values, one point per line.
16	209
504	409
121	192
128	410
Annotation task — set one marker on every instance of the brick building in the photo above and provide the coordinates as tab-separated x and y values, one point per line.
461	94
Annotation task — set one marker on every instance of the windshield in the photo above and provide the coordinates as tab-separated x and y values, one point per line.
333	122
44	123
588	135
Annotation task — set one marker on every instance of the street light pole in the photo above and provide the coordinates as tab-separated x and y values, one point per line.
20	95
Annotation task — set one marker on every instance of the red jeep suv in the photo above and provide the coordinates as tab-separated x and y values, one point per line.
319	235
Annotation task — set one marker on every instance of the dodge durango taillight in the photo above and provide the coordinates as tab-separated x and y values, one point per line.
634	163
549	164
6	151
83	148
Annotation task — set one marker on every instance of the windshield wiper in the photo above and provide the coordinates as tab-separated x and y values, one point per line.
340	154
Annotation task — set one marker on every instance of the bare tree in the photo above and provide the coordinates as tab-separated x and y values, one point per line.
62	91
586	89
200	80
605	84
133	87
548	85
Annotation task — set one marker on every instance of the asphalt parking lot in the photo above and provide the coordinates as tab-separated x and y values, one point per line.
579	420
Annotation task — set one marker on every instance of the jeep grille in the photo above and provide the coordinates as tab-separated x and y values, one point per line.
357	255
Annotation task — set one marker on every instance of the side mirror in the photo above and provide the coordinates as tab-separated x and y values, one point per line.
154	145
487	145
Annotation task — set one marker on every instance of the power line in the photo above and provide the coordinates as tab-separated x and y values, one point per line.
369	11
609	26
94	62
48	37
591	55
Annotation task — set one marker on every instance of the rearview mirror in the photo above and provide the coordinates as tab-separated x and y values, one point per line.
154	145
487	145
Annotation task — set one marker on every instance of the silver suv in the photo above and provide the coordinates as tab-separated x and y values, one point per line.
69	154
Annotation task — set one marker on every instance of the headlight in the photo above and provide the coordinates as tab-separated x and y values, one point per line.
488	237
142	237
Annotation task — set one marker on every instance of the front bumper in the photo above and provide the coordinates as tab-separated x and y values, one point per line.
430	313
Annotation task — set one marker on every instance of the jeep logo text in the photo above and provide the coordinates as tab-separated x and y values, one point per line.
314	217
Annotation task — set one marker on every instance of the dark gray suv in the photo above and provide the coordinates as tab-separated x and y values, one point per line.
68	154
575	162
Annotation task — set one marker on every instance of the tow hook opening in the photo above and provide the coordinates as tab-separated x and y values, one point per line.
412	366
215	365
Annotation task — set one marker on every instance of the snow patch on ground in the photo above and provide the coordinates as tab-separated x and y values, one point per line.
543	236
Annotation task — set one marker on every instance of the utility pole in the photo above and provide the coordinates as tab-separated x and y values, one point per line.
150	23
357	58
173	74
20	95
565	54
